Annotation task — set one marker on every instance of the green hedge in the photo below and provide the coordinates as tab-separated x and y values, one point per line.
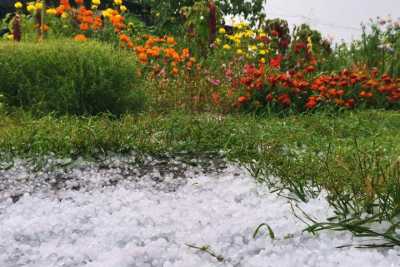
68	77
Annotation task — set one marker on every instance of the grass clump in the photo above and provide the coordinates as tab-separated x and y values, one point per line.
67	77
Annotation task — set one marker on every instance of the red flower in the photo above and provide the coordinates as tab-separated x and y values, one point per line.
269	97
310	69
242	99
312	102
285	100
349	103
275	62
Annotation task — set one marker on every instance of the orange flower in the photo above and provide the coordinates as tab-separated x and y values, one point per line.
140	49
242	99
80	38
84	26
79	2
185	53
171	53
154	52
65	4
143	58
124	38
216	98
60	10
171	41
175	71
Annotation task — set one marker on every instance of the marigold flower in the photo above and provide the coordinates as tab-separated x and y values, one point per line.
84	26
175	71
65	4
123	8
64	15
96	2
51	11
124	38
242	99
118	2
18	5
171	41
30	8
38	5
79	2
222	30
80	38
226	47
185	53
262	52
143	57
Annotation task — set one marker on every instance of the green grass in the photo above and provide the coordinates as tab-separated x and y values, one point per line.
66	77
244	137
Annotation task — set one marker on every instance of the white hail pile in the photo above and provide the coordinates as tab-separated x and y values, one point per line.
137	223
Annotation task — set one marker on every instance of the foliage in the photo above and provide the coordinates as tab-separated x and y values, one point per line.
66	77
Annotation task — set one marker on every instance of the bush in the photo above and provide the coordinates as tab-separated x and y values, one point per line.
67	77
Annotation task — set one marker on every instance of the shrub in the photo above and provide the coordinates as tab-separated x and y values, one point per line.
67	77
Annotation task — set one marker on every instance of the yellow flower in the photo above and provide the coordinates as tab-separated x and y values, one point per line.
249	33
96	2
263	35
262	60
262	52
253	48
240	25
309	43
222	30
94	7
218	41
107	13
18	5
239	52
64	15
10	37
51	11
30	8
118	2
38	5
226	47
123	8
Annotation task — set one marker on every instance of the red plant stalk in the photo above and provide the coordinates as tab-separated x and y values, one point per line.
212	23
16	25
